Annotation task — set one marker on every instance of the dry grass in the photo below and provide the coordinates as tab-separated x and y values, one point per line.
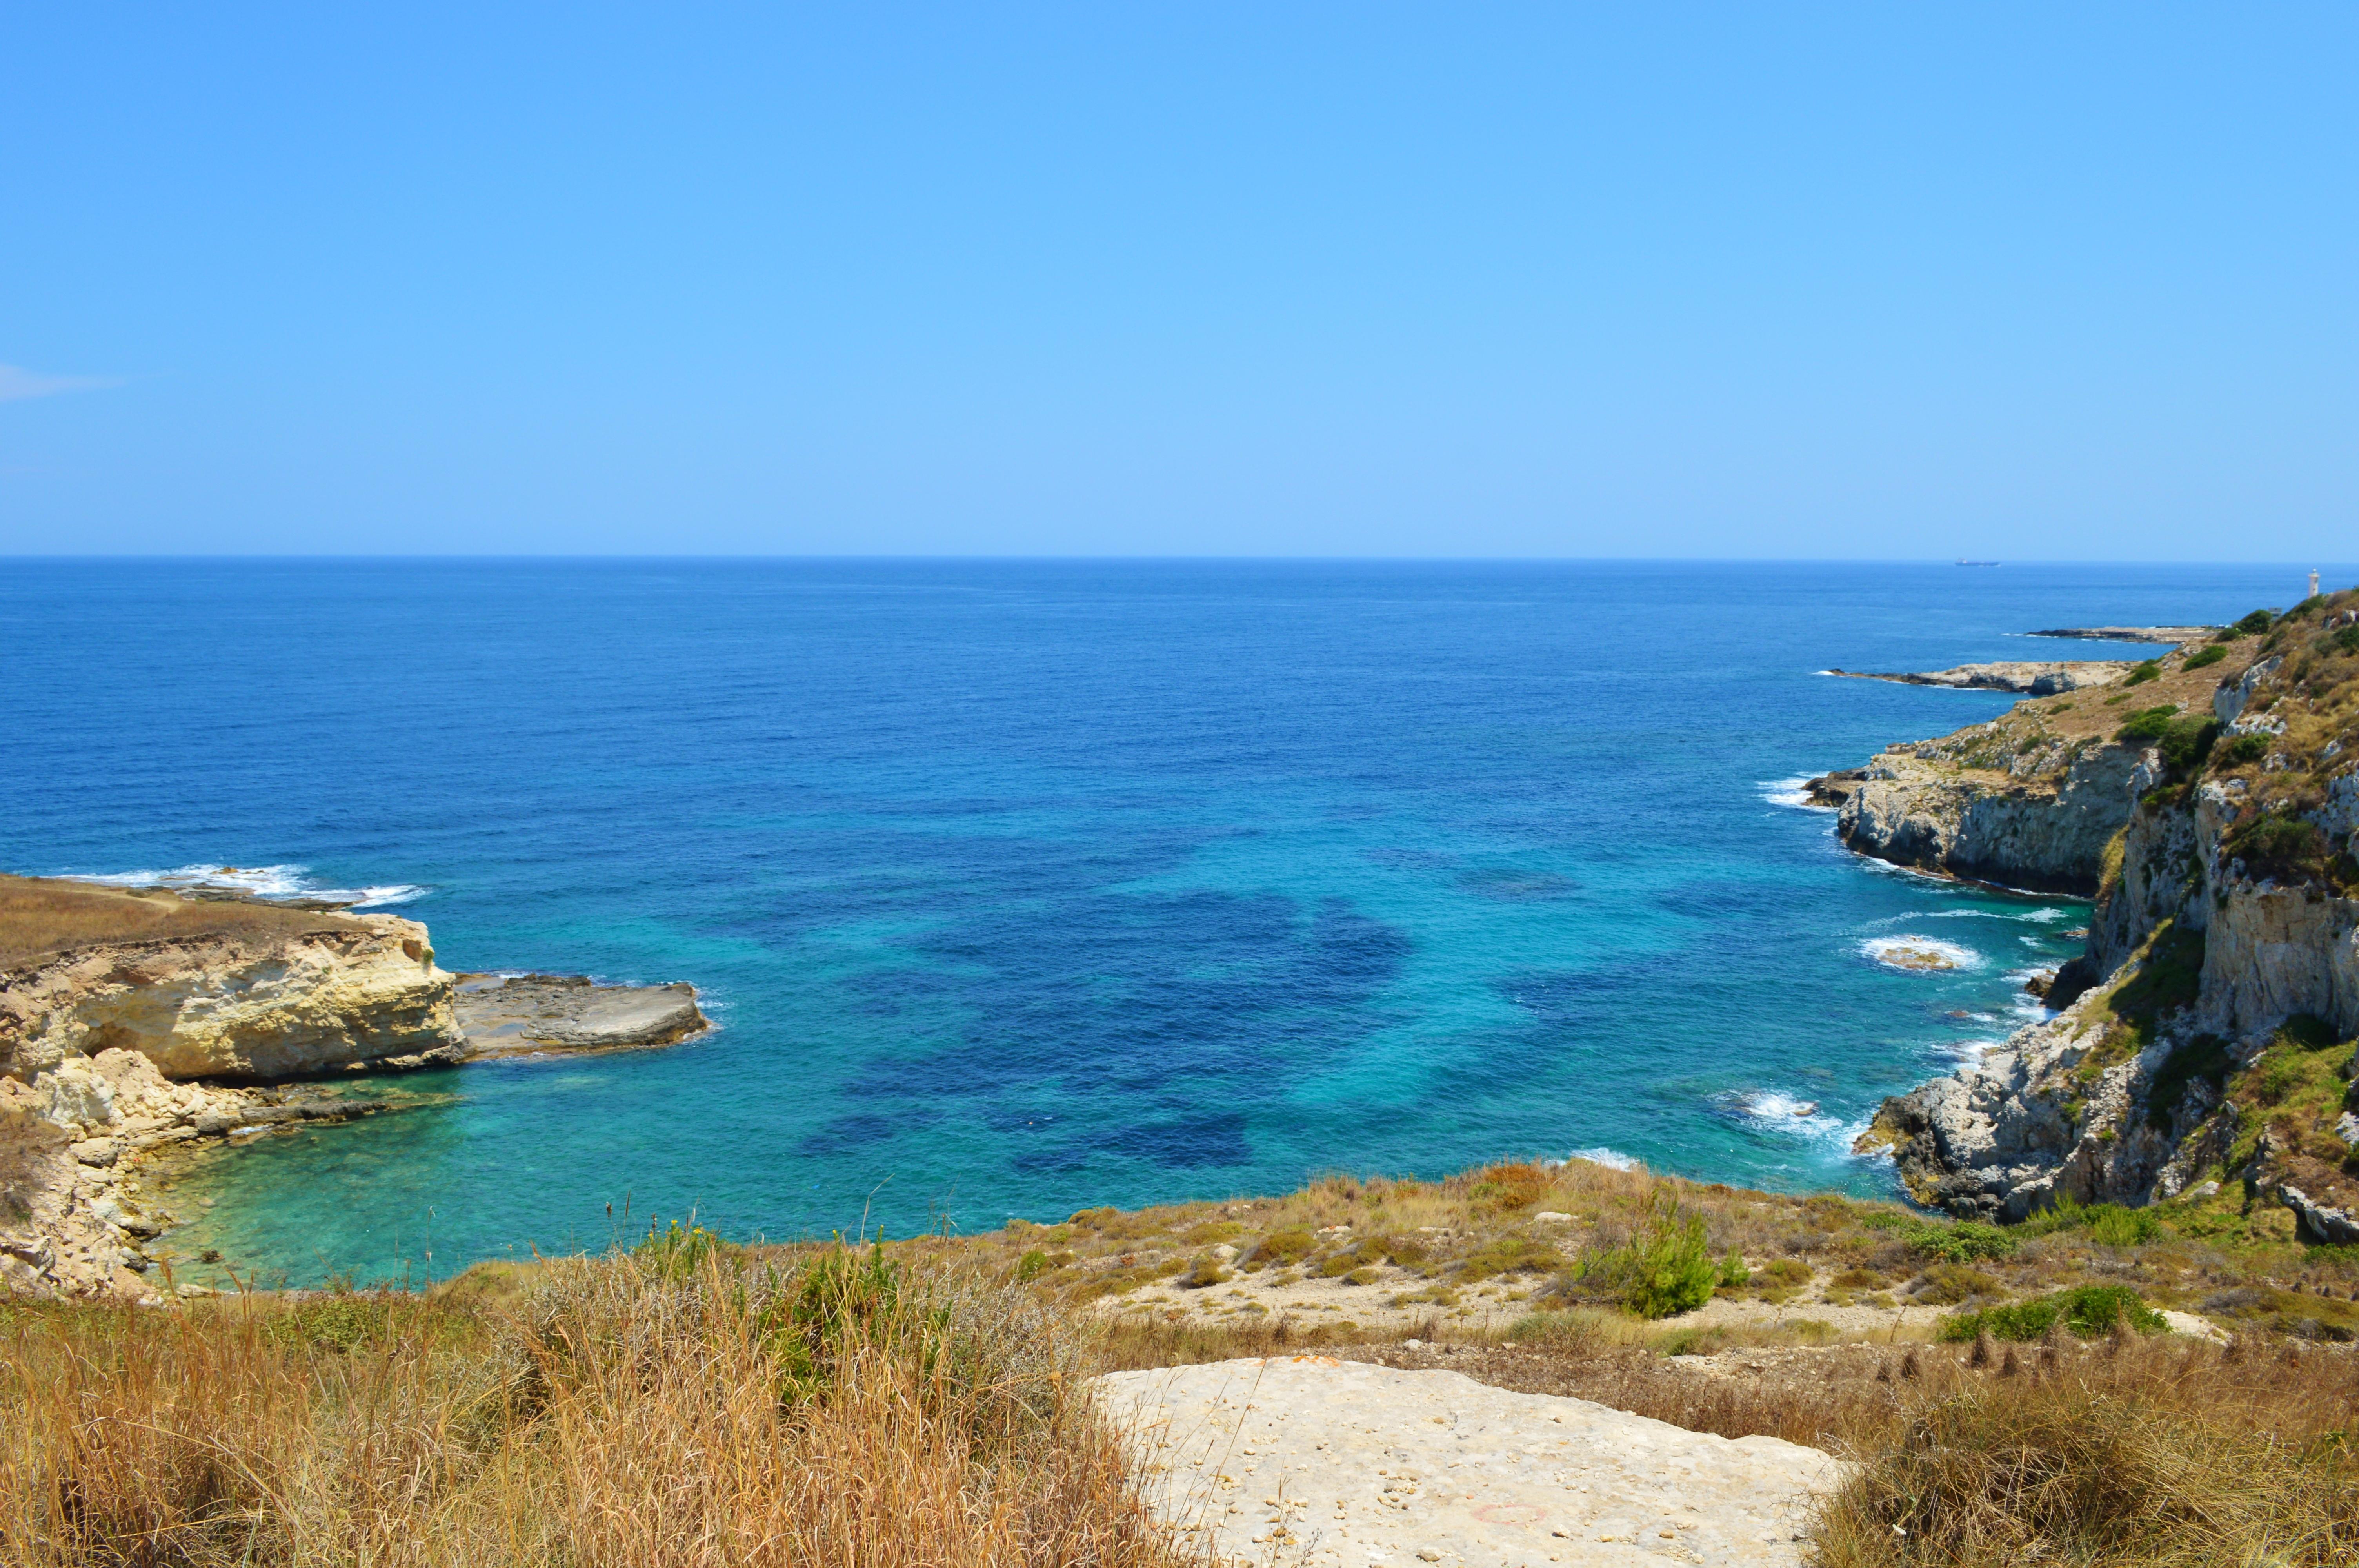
669	1408
2153	1453
40	917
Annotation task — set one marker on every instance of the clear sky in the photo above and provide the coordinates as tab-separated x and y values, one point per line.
1883	281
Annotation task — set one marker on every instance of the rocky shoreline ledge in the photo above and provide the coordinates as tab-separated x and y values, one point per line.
2200	1051
136	1020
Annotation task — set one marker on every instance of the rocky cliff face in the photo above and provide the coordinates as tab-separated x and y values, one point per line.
73	1217
363	993
2030	799
2042	825
2212	1046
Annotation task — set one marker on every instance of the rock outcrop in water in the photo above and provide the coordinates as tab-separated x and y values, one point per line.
2023	677
2206	1033
511	1015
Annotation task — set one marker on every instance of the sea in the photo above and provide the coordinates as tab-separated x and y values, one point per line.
1020	886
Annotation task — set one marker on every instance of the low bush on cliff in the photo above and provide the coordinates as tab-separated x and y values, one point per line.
1665	1268
2150	670
2253	625
2204	658
2087	1310
614	1413
2241	750
1965	1241
2285	848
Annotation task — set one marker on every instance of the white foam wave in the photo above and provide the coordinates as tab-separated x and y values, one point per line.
2043	916
1790	792
1612	1159
1920	954
275	883
1774	1111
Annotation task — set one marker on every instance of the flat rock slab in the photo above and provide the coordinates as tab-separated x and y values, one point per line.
2129	633
2020	677
513	1015
1308	1460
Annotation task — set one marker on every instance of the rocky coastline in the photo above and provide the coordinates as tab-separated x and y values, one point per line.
2200	1050
138	1021
2025	677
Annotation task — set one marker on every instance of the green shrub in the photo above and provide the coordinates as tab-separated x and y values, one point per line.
2239	751
2253	625
2185	743
1509	1255
2205	1058
1733	1271
2284	848
836	1300
2206	658
1282	1248
2144	727
676	1252
338	1322
1967	1241
1665	1269
1204	1272
2087	1310
2110	1224
2150	670
1030	1267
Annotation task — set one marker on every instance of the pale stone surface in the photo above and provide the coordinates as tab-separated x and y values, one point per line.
2043	825
509	1015
1307	1460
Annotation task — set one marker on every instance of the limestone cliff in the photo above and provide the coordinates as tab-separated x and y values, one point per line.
2206	1037
2030	799
73	1218
218	992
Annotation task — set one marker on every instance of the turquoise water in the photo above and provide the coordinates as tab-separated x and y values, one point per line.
1021	887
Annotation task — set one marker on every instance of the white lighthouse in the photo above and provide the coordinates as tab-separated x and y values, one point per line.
2313	584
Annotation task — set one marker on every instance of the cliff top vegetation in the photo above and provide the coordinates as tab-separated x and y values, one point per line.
686	1400
2040	737
41	917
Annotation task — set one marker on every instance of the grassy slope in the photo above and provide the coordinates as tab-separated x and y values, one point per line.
39	917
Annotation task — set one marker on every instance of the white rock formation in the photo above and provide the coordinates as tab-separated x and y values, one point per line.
1308	1460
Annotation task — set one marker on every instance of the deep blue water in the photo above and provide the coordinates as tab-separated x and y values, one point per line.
1020	886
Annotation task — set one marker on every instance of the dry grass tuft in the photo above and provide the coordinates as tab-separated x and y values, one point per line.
658	1408
2152	1454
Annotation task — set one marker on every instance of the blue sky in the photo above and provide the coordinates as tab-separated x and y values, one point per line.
1881	281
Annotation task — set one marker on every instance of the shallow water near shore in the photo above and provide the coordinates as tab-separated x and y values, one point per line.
1022	887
